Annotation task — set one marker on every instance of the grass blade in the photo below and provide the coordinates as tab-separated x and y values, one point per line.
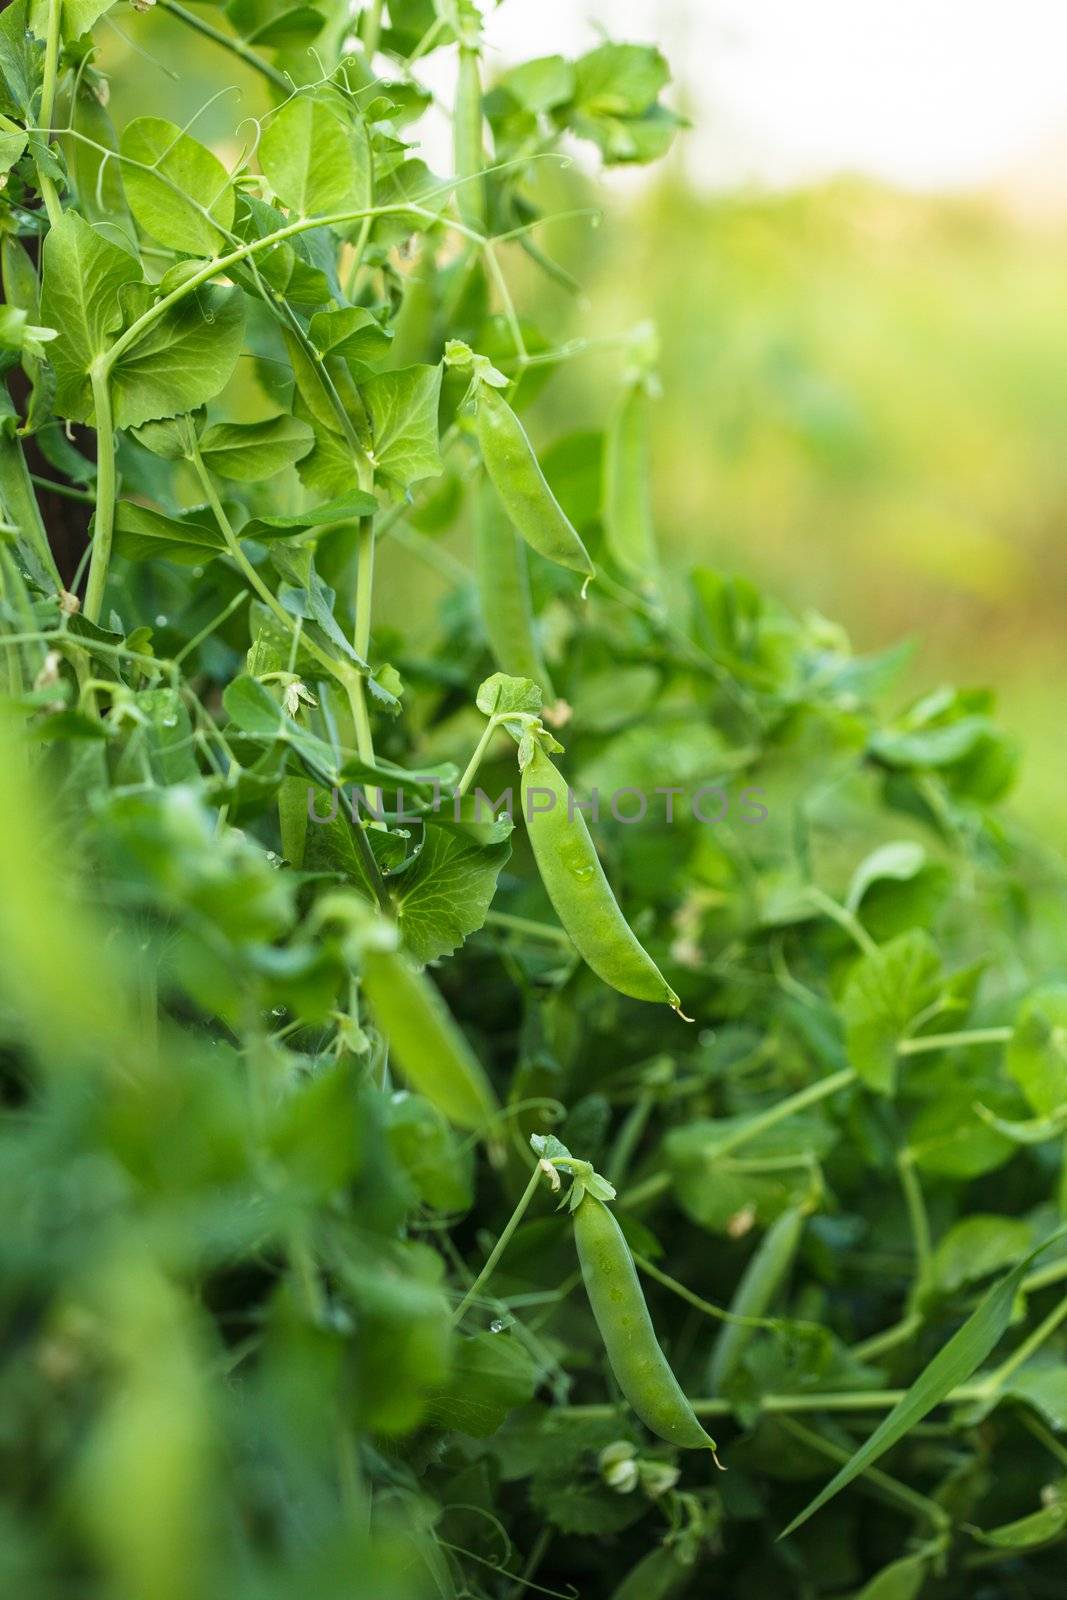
952	1365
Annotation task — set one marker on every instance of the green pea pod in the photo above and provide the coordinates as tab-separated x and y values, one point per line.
628	525
523	489
293	819
574	879
640	1367
659	1576
468	149
504	591
429	1048
760	1282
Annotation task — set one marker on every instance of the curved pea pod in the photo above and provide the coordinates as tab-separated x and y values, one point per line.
640	1367
428	1047
574	880
659	1576
627	501
504	592
760	1282
468	150
523	488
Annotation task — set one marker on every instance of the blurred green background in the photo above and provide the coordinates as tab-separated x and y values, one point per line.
864	396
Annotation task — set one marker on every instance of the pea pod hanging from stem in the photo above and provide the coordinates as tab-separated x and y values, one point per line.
523	488
468	149
429	1048
640	1367
627	503
577	887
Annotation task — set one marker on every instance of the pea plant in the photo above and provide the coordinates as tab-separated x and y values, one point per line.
411	1148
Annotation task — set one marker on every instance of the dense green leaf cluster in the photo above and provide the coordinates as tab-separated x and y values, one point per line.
289	1308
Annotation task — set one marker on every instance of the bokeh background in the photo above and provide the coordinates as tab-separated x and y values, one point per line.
857	261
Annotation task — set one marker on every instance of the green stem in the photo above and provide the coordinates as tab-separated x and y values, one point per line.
228	42
920	1222
371	29
788	1404
361	638
629	1137
501	1245
718	1313
1044	1436
949	1041
844	919
222	264
476	759
1019	1357
233	547
65	489
527	926
48	100
892	1488
888	1339
106	489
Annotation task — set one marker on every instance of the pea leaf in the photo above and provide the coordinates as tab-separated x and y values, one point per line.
275	24
953	1364
249	452
1044	1387
1038	1528
83	278
541	84
316	157
491	1375
19	59
346	508
901	1580
178	191
501	693
445	894
13	141
351	331
885	991
403	409
142	534
976	1246
182	359
1037	1053
78	17
899	861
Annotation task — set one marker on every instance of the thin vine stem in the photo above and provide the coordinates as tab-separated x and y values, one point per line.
229	42
371	30
106	494
52	42
501	1245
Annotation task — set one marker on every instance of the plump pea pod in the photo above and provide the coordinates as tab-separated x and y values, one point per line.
428	1047
639	1365
628	525
659	1576
522	486
574	879
468	150
504	591
760	1282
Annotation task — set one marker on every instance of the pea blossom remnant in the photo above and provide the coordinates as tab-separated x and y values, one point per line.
713	804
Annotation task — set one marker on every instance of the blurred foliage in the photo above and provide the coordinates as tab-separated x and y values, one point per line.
863	396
